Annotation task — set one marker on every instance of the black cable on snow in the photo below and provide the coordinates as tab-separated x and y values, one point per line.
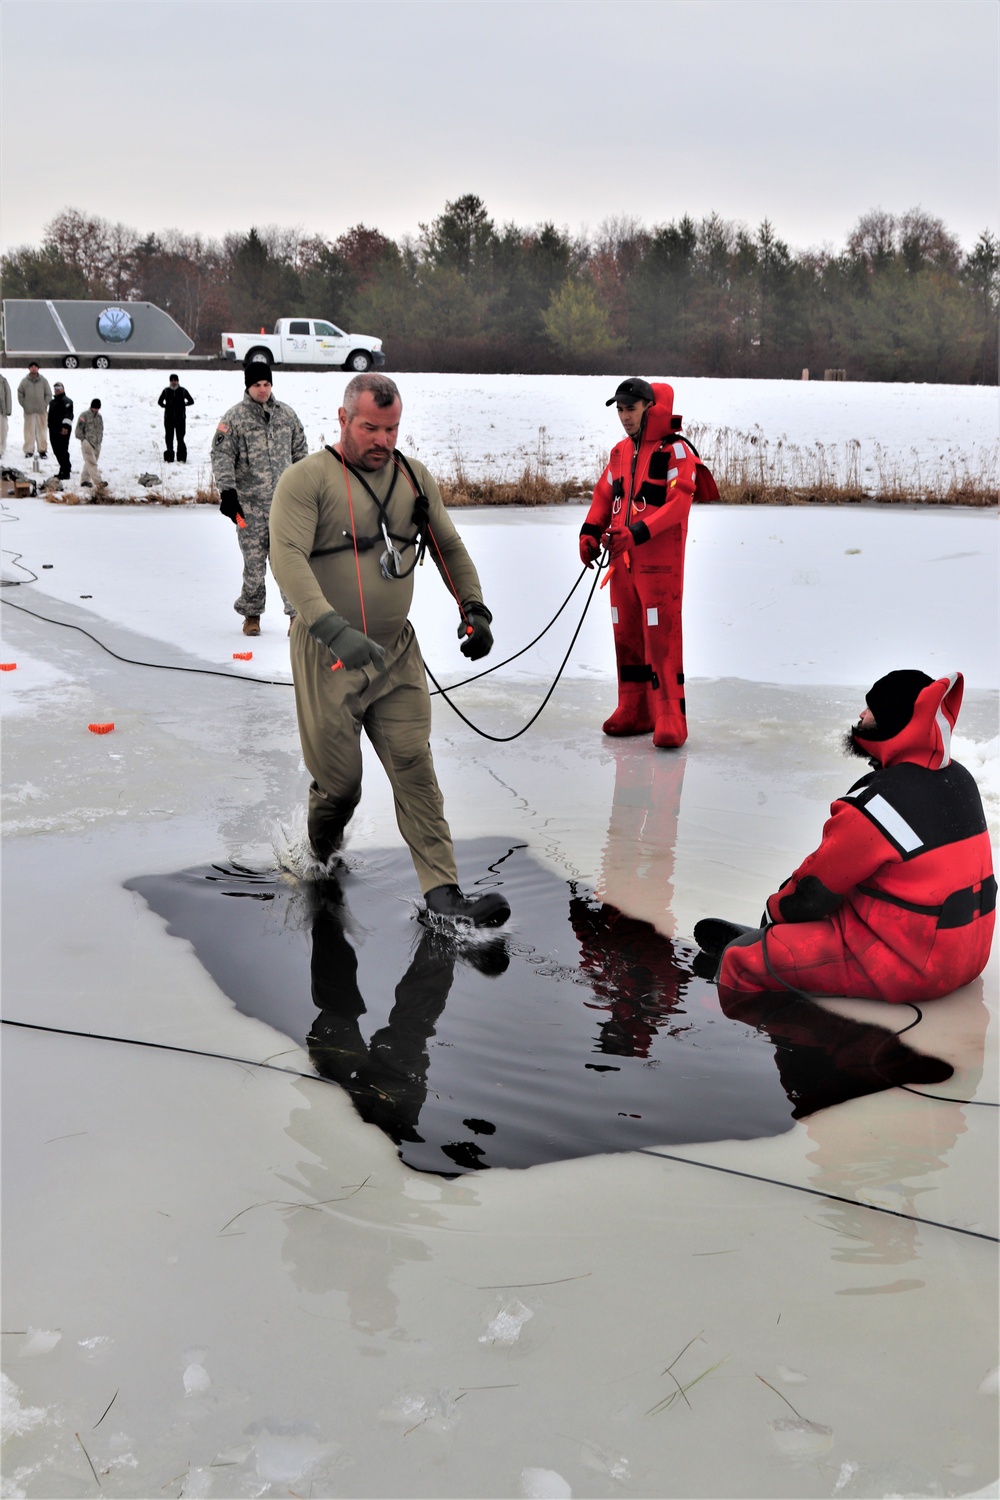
282	682
249	1062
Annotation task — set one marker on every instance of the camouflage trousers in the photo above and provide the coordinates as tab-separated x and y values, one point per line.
254	545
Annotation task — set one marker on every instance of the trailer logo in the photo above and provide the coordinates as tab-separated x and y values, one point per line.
115	325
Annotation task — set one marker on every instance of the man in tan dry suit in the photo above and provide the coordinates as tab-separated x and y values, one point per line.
347	528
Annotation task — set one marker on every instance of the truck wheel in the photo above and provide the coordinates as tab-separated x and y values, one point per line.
359	362
258	355
71	362
102	362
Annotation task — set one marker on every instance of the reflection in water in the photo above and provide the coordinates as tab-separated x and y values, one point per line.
387	1076
577	1030
896	1160
637	863
824	1059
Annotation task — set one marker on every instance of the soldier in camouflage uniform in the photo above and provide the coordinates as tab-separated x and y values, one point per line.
254	443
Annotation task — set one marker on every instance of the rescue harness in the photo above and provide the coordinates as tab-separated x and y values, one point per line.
391	562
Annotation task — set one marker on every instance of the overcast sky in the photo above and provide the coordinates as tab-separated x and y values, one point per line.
213	115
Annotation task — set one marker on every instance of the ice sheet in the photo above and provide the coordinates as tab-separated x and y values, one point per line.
252	1295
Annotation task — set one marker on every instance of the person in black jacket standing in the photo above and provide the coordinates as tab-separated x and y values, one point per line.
60	424
175	400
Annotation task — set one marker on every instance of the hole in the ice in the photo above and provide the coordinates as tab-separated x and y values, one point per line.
493	1036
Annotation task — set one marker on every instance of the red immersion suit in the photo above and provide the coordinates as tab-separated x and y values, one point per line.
648	487
898	902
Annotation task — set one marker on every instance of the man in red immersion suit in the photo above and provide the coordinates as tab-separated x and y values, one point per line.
640	513
898	902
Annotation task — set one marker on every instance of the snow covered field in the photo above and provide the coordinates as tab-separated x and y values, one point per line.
497	423
219	1282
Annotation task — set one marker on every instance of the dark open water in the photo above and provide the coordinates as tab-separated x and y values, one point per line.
577	1030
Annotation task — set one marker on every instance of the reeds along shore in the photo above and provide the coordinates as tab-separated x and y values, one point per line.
749	468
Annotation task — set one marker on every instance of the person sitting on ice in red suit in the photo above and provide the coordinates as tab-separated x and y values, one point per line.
899	900
639	513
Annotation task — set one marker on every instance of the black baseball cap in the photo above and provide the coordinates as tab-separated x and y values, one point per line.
631	391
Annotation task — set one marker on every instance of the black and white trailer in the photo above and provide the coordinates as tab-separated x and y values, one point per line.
72	333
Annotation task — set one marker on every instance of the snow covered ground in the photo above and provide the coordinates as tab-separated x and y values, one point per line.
497	423
219	1282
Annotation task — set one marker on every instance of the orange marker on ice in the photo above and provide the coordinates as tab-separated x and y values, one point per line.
100	728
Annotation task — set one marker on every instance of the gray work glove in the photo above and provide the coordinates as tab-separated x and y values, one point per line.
352	647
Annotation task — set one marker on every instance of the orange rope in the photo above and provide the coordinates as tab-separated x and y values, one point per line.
440	555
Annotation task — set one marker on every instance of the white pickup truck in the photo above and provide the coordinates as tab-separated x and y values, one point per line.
305	341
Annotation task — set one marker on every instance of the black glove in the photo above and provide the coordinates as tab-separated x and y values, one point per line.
230	506
352	647
474	632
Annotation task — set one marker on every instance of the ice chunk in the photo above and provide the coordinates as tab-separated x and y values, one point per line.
990	1384
544	1484
506	1326
283	1458
198	1483
15	1419
411	1409
606	1463
39	1341
196	1379
790	1376
798	1438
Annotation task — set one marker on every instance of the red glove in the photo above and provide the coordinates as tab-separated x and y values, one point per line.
589	549
618	541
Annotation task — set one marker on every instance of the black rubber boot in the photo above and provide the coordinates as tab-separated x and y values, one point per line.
712	934
490	910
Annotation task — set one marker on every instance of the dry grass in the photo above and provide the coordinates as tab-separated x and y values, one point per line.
751	469
148	497
531	487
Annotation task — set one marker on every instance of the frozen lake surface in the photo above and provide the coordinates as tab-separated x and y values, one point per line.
221	1280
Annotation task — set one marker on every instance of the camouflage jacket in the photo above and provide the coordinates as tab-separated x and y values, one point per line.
90	429
254	445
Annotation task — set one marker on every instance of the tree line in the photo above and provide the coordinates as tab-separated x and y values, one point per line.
901	301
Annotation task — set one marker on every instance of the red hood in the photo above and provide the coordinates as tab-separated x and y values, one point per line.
926	739
660	416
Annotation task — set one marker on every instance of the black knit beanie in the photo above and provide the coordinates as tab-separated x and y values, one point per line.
892	701
258	370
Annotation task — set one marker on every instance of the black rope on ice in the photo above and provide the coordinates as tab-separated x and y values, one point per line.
249	1062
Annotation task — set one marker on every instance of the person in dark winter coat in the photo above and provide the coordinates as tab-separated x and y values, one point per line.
899	901
175	401
60	421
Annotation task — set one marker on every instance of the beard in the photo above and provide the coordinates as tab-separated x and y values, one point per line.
850	745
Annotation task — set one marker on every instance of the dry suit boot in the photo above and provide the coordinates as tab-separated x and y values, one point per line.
633	714
670	729
251	625
490	910
326	823
713	934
